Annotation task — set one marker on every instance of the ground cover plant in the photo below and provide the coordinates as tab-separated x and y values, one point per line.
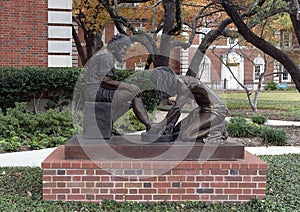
23	130
21	190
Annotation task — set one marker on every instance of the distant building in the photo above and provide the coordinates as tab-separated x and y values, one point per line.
39	33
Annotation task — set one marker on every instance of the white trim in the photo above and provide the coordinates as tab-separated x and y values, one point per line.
59	61
60	4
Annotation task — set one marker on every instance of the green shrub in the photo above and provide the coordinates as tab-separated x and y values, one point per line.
129	122
25	84
273	136
240	127
271	85
259	119
20	129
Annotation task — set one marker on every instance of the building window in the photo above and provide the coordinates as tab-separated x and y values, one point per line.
259	64
276	70
232	42
204	70
286	39
257	72
120	66
285	75
203	33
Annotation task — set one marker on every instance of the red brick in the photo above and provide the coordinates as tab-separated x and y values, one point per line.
75	190
161	184
90	172
65	165
248	171
61	184
253	166
133	191
259	191
176	178
105	184
75	184
176	191
90	178
188	184
90	197
219	191
247	191
89	191
219	172
61	197
119	191
86	165
219	185
190	197
56	165
233	178
46	165
260	178
219	197
247	185
104	196
161	190
76	165
262	185
61	178
76	178
47	191
61	191
90	184
134	197
49	172
246	197
75	172
233	191
76	197
147	191
162	197
49	197
205	172
50	185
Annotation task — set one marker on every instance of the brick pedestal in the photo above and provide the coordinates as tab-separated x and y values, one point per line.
153	181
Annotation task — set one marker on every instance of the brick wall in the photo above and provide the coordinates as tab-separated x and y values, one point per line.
24	35
153	181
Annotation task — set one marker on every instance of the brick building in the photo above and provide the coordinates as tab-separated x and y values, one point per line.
36	33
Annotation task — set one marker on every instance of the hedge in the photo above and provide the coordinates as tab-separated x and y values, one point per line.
25	84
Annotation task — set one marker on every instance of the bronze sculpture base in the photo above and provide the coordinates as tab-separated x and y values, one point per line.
130	147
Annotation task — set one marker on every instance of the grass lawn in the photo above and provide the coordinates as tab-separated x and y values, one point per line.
21	190
285	104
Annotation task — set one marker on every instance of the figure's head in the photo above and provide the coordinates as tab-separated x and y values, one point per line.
165	80
118	45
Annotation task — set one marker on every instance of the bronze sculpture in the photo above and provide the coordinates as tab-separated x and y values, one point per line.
101	87
206	123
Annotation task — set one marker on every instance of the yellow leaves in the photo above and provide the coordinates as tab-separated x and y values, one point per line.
92	13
